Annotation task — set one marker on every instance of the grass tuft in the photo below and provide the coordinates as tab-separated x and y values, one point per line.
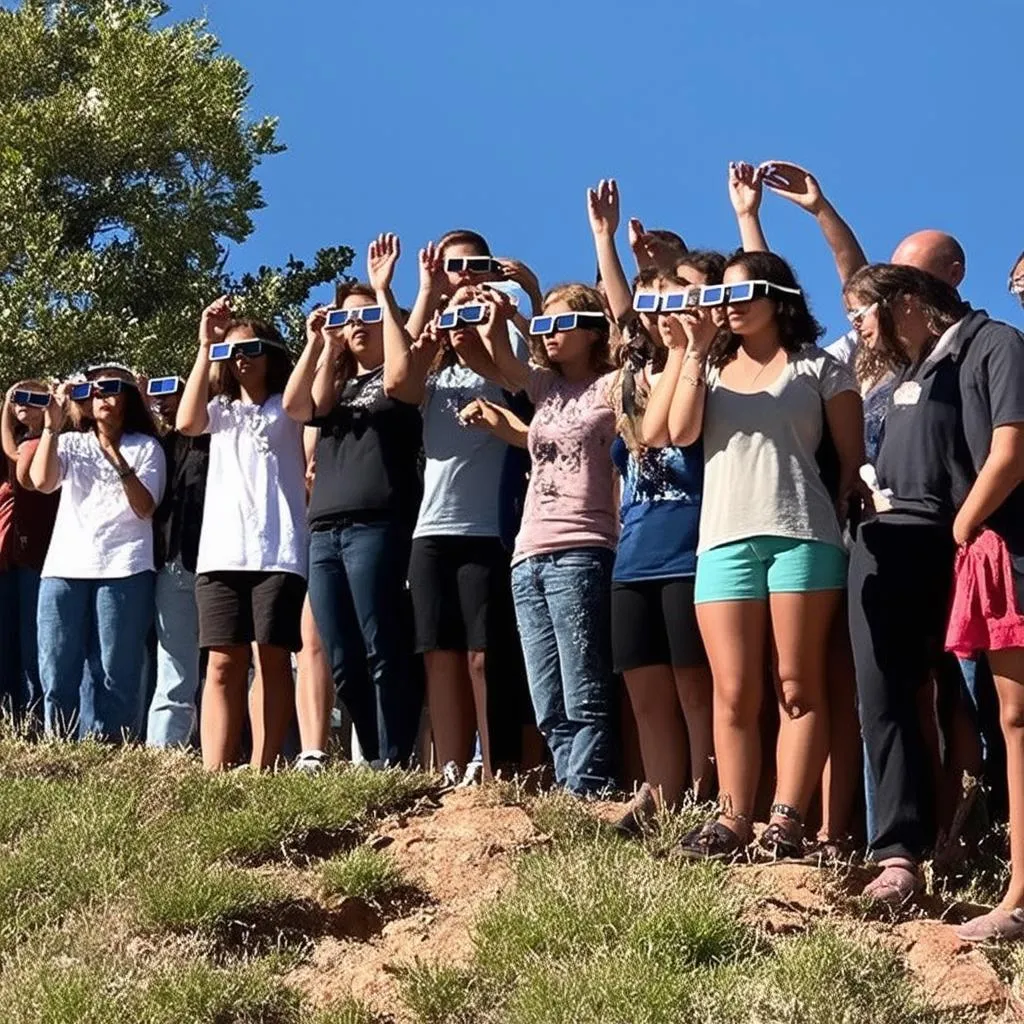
363	872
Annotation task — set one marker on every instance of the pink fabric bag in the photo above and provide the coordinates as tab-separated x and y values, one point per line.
984	614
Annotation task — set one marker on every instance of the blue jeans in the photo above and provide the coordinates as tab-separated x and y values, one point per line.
563	606
357	593
172	714
92	638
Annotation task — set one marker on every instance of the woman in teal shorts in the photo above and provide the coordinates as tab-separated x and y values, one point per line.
771	562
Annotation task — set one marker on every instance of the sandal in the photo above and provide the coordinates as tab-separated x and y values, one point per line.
898	883
824	852
713	841
780	842
639	815
996	925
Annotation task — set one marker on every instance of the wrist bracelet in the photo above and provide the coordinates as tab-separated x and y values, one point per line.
697	382
125	473
50	431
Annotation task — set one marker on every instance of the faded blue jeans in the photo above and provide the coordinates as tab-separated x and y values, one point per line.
563	607
100	625
172	714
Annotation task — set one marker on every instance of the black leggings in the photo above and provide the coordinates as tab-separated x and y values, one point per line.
900	583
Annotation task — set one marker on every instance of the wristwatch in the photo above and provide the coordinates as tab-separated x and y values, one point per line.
126	472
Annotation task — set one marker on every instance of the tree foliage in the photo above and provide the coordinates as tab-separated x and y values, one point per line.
127	165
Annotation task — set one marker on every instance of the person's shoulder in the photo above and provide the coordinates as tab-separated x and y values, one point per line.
146	442
845	348
814	360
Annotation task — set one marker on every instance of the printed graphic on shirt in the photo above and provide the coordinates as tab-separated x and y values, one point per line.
362	393
656	476
455	387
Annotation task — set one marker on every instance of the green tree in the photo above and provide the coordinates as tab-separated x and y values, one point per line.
127	168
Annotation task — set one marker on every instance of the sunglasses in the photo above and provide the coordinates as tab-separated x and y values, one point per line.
475	313
471	264
232	349
32	399
541	325
856	316
1016	286
103	388
163	386
364	314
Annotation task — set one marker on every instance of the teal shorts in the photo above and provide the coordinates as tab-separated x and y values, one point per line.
751	569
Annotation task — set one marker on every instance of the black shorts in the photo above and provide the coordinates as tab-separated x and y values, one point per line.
654	623
458	587
238	608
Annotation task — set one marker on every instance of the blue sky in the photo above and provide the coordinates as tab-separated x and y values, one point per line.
417	116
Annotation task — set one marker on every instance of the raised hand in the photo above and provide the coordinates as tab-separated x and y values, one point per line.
693	330
381	259
514	270
603	207
214	323
315	324
432	276
57	411
745	188
649	250
793	183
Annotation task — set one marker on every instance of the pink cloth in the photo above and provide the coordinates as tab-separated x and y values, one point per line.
984	615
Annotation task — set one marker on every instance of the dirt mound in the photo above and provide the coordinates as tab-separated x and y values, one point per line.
460	856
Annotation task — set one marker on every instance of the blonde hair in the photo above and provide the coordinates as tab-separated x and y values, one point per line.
581	298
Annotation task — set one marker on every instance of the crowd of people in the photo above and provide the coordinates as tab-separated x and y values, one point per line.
649	516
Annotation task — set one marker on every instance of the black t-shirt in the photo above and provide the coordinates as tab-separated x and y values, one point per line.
923	458
179	517
368	456
992	394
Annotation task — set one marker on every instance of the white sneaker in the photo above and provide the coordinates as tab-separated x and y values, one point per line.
474	775
450	775
312	762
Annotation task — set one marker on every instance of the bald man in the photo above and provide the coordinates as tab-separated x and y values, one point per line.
935	253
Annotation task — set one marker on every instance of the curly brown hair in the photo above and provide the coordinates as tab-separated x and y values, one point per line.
884	283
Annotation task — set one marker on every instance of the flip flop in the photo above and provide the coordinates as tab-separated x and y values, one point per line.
996	925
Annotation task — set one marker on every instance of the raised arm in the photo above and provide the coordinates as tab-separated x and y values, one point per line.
745	191
686	415
432	287
45	470
192	418
513	373
522	275
405	369
603	210
801	187
298	392
654	429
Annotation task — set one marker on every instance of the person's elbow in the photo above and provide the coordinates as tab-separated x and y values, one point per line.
683	435
297	407
190	425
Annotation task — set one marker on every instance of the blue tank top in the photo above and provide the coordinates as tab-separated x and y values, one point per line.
660	512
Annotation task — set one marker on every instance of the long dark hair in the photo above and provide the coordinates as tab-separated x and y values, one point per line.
797	326
137	417
884	283
638	348
279	361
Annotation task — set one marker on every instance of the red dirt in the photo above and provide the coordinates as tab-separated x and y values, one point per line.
462	855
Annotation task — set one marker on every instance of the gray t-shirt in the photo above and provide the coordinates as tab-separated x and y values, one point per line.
462	476
761	477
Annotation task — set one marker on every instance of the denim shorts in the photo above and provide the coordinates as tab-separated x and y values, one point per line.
751	569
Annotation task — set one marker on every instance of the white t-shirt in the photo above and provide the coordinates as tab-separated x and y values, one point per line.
761	477
254	516
97	536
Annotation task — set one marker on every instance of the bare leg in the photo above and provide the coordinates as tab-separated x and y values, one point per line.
1008	671
661	729
800	629
477	667
841	780
223	705
314	688
693	691
271	705
452	713
734	635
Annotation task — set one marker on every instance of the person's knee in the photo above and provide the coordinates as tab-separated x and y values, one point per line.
1011	716
478	664
797	699
737	704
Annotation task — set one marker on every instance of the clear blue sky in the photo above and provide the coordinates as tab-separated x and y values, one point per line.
417	116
